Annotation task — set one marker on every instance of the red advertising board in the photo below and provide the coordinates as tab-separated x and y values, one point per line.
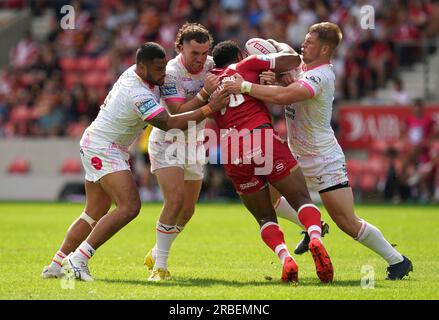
362	125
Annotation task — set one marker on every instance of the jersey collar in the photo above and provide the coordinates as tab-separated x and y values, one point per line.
304	67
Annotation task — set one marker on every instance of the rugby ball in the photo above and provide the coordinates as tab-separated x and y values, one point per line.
259	46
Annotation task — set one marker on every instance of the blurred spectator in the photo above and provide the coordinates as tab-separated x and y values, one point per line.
25	53
416	170
397	95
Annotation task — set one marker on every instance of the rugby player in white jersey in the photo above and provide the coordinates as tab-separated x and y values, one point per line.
187	87
308	100
129	107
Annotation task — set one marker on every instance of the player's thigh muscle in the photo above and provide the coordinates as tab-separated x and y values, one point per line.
171	183
274	194
192	190
293	188
259	204
339	203
97	201
120	186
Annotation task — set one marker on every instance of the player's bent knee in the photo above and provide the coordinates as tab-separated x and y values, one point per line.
346	225
187	211
130	210
174	204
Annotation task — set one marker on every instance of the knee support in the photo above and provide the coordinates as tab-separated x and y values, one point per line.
84	216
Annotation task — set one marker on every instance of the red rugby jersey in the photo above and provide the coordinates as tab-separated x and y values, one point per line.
243	110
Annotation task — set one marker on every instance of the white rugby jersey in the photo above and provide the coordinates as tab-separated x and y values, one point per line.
181	86
128	107
309	121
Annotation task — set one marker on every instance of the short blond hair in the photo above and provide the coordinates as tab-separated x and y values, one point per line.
328	33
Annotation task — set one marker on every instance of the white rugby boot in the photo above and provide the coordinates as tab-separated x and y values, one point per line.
74	265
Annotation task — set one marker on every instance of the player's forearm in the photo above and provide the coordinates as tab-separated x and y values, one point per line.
196	102
181	120
269	94
190	105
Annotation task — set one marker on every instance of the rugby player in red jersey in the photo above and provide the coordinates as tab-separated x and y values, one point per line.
254	156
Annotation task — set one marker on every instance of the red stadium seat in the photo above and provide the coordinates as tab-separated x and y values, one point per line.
378	148
68	64
102	63
96	79
86	64
71	165
368	182
355	170
70	79
19	166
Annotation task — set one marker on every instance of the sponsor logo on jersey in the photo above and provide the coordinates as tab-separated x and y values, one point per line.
314	79
145	106
168	90
248	185
290	112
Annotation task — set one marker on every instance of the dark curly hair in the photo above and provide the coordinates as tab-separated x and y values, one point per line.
225	52
192	31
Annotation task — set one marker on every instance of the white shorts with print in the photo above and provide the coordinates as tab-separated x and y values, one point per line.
168	154
98	162
324	171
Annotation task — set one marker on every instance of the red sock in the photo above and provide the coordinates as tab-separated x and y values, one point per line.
273	237
309	216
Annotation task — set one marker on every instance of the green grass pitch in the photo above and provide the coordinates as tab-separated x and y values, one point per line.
218	256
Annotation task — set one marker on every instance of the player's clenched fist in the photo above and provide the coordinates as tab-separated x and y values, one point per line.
219	100
233	86
267	78
211	83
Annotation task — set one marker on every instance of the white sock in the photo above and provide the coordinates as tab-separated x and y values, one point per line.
285	211
165	234
154	249
315	232
85	251
372	238
282	252
57	259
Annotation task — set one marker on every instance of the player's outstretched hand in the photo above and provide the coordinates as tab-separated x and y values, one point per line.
267	78
219	99
233	86
211	83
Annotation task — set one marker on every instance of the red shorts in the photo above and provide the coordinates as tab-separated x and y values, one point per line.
256	159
